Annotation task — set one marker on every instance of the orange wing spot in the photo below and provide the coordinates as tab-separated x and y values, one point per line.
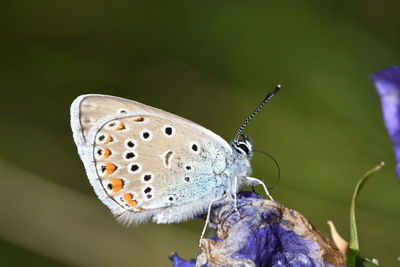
117	184
138	119
129	200
120	126
106	153
109	139
110	168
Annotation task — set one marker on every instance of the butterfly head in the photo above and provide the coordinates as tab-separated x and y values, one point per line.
243	146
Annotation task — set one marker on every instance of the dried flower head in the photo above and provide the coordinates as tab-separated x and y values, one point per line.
263	233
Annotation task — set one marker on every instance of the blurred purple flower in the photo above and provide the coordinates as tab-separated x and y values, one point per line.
387	83
265	233
179	262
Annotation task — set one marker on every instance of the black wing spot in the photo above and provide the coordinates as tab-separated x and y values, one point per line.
146	135
147	177
134	167
168	130
130	144
130	155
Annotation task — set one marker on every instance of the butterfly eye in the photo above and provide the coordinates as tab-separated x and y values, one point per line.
244	148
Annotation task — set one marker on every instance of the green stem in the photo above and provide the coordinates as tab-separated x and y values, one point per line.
354	247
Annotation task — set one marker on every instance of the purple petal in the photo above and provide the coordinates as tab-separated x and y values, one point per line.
387	83
179	262
265	233
274	245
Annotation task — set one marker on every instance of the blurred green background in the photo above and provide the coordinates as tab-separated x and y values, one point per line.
211	62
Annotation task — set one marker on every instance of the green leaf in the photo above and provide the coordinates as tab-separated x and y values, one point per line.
353	258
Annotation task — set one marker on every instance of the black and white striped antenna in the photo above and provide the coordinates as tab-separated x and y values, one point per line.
252	115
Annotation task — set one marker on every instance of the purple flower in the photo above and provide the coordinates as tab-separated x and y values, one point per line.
387	83
179	262
264	233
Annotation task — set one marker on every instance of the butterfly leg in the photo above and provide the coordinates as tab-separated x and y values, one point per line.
255	180
208	217
235	196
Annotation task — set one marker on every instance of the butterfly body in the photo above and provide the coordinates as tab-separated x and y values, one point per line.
148	164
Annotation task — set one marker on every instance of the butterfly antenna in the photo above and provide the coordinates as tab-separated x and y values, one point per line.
252	115
278	177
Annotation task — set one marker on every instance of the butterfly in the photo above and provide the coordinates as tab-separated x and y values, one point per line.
147	164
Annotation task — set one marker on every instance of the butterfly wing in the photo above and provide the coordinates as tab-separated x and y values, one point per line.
141	160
